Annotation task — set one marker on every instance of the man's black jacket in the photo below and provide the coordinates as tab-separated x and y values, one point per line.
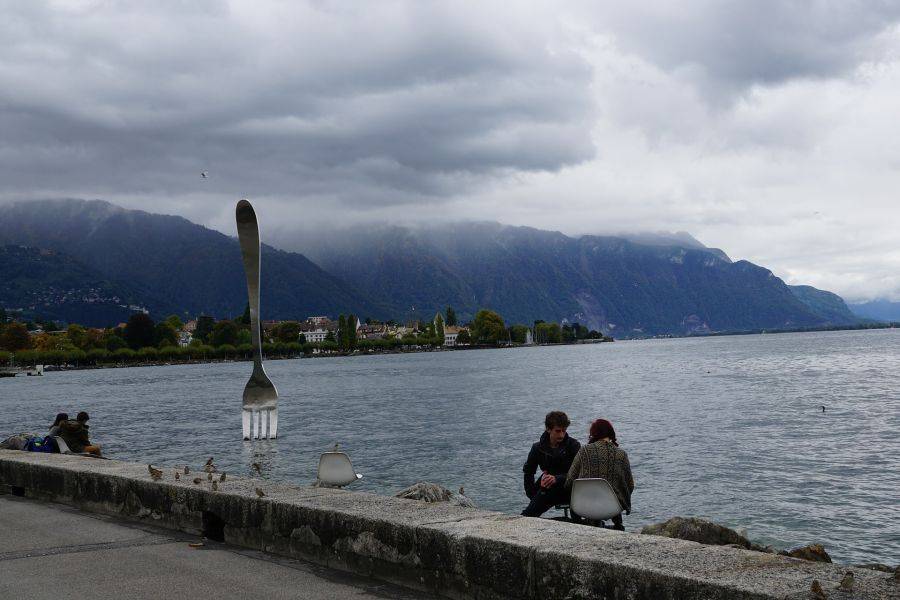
555	461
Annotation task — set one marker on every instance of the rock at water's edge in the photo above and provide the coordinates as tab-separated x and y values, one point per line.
814	552
698	530
432	492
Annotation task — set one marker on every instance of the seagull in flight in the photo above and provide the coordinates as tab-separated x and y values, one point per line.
204	174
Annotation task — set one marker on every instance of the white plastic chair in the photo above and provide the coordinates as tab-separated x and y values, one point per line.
594	499
335	469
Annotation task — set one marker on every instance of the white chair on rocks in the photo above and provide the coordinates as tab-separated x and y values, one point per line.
594	499
336	470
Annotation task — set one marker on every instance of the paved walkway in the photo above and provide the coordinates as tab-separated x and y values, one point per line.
53	551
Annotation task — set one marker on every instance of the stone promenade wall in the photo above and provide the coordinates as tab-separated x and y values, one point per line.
450	551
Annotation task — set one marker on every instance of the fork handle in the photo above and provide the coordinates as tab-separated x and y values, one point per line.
248	236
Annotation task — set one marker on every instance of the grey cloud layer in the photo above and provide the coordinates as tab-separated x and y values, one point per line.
300	99
767	128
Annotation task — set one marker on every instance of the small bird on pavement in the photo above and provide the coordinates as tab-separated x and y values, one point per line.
156	474
210	467
186	470
222	477
260	493
177	475
257	468
846	583
197	481
209	476
816	590
215	486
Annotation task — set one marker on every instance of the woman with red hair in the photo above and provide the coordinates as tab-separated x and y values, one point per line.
601	457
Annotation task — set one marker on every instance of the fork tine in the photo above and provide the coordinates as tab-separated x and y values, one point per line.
245	423
255	424
263	422
273	423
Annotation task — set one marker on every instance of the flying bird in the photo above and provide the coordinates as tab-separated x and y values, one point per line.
156	474
204	174
260	493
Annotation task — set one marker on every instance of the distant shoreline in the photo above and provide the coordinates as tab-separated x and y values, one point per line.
158	363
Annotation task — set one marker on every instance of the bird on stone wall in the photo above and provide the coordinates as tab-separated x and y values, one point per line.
260	493
222	477
156	474
197	481
186	470
177	475
210	467
209	476
215	486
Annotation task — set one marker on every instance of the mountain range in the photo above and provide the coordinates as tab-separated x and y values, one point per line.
622	285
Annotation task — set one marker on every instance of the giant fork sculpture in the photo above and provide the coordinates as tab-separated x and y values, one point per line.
260	406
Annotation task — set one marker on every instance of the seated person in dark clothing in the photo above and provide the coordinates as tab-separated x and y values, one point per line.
554	454
75	435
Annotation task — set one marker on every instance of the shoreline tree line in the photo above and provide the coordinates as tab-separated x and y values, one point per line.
143	340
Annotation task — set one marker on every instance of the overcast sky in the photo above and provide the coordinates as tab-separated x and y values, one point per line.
770	129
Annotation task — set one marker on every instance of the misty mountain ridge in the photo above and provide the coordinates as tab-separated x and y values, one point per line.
624	285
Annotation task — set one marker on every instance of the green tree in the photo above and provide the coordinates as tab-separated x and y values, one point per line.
114	341
439	329
244	319
175	321
517	333
342	332
451	316
78	336
224	332
351	332
547	333
301	339
287	332
464	338
329	337
165	334
139	331
244	337
205	326
2	315
15	337
487	327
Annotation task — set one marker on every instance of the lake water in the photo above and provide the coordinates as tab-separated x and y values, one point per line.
726	428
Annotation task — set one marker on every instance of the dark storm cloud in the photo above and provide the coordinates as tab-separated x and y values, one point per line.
363	106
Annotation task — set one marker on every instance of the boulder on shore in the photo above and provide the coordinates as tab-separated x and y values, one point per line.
814	552
698	530
432	492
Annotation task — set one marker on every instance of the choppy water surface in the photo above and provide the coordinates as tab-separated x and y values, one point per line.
725	428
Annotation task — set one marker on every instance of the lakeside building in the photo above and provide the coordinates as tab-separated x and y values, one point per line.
451	332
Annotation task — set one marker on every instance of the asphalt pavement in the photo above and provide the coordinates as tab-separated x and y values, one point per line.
54	551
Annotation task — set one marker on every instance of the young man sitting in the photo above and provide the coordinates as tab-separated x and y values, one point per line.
554	454
75	435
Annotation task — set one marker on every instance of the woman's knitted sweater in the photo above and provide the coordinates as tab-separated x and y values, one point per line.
605	460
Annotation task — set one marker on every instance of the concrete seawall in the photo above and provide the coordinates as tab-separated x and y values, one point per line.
451	551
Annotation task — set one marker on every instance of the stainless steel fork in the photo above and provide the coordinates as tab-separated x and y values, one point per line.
259	417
